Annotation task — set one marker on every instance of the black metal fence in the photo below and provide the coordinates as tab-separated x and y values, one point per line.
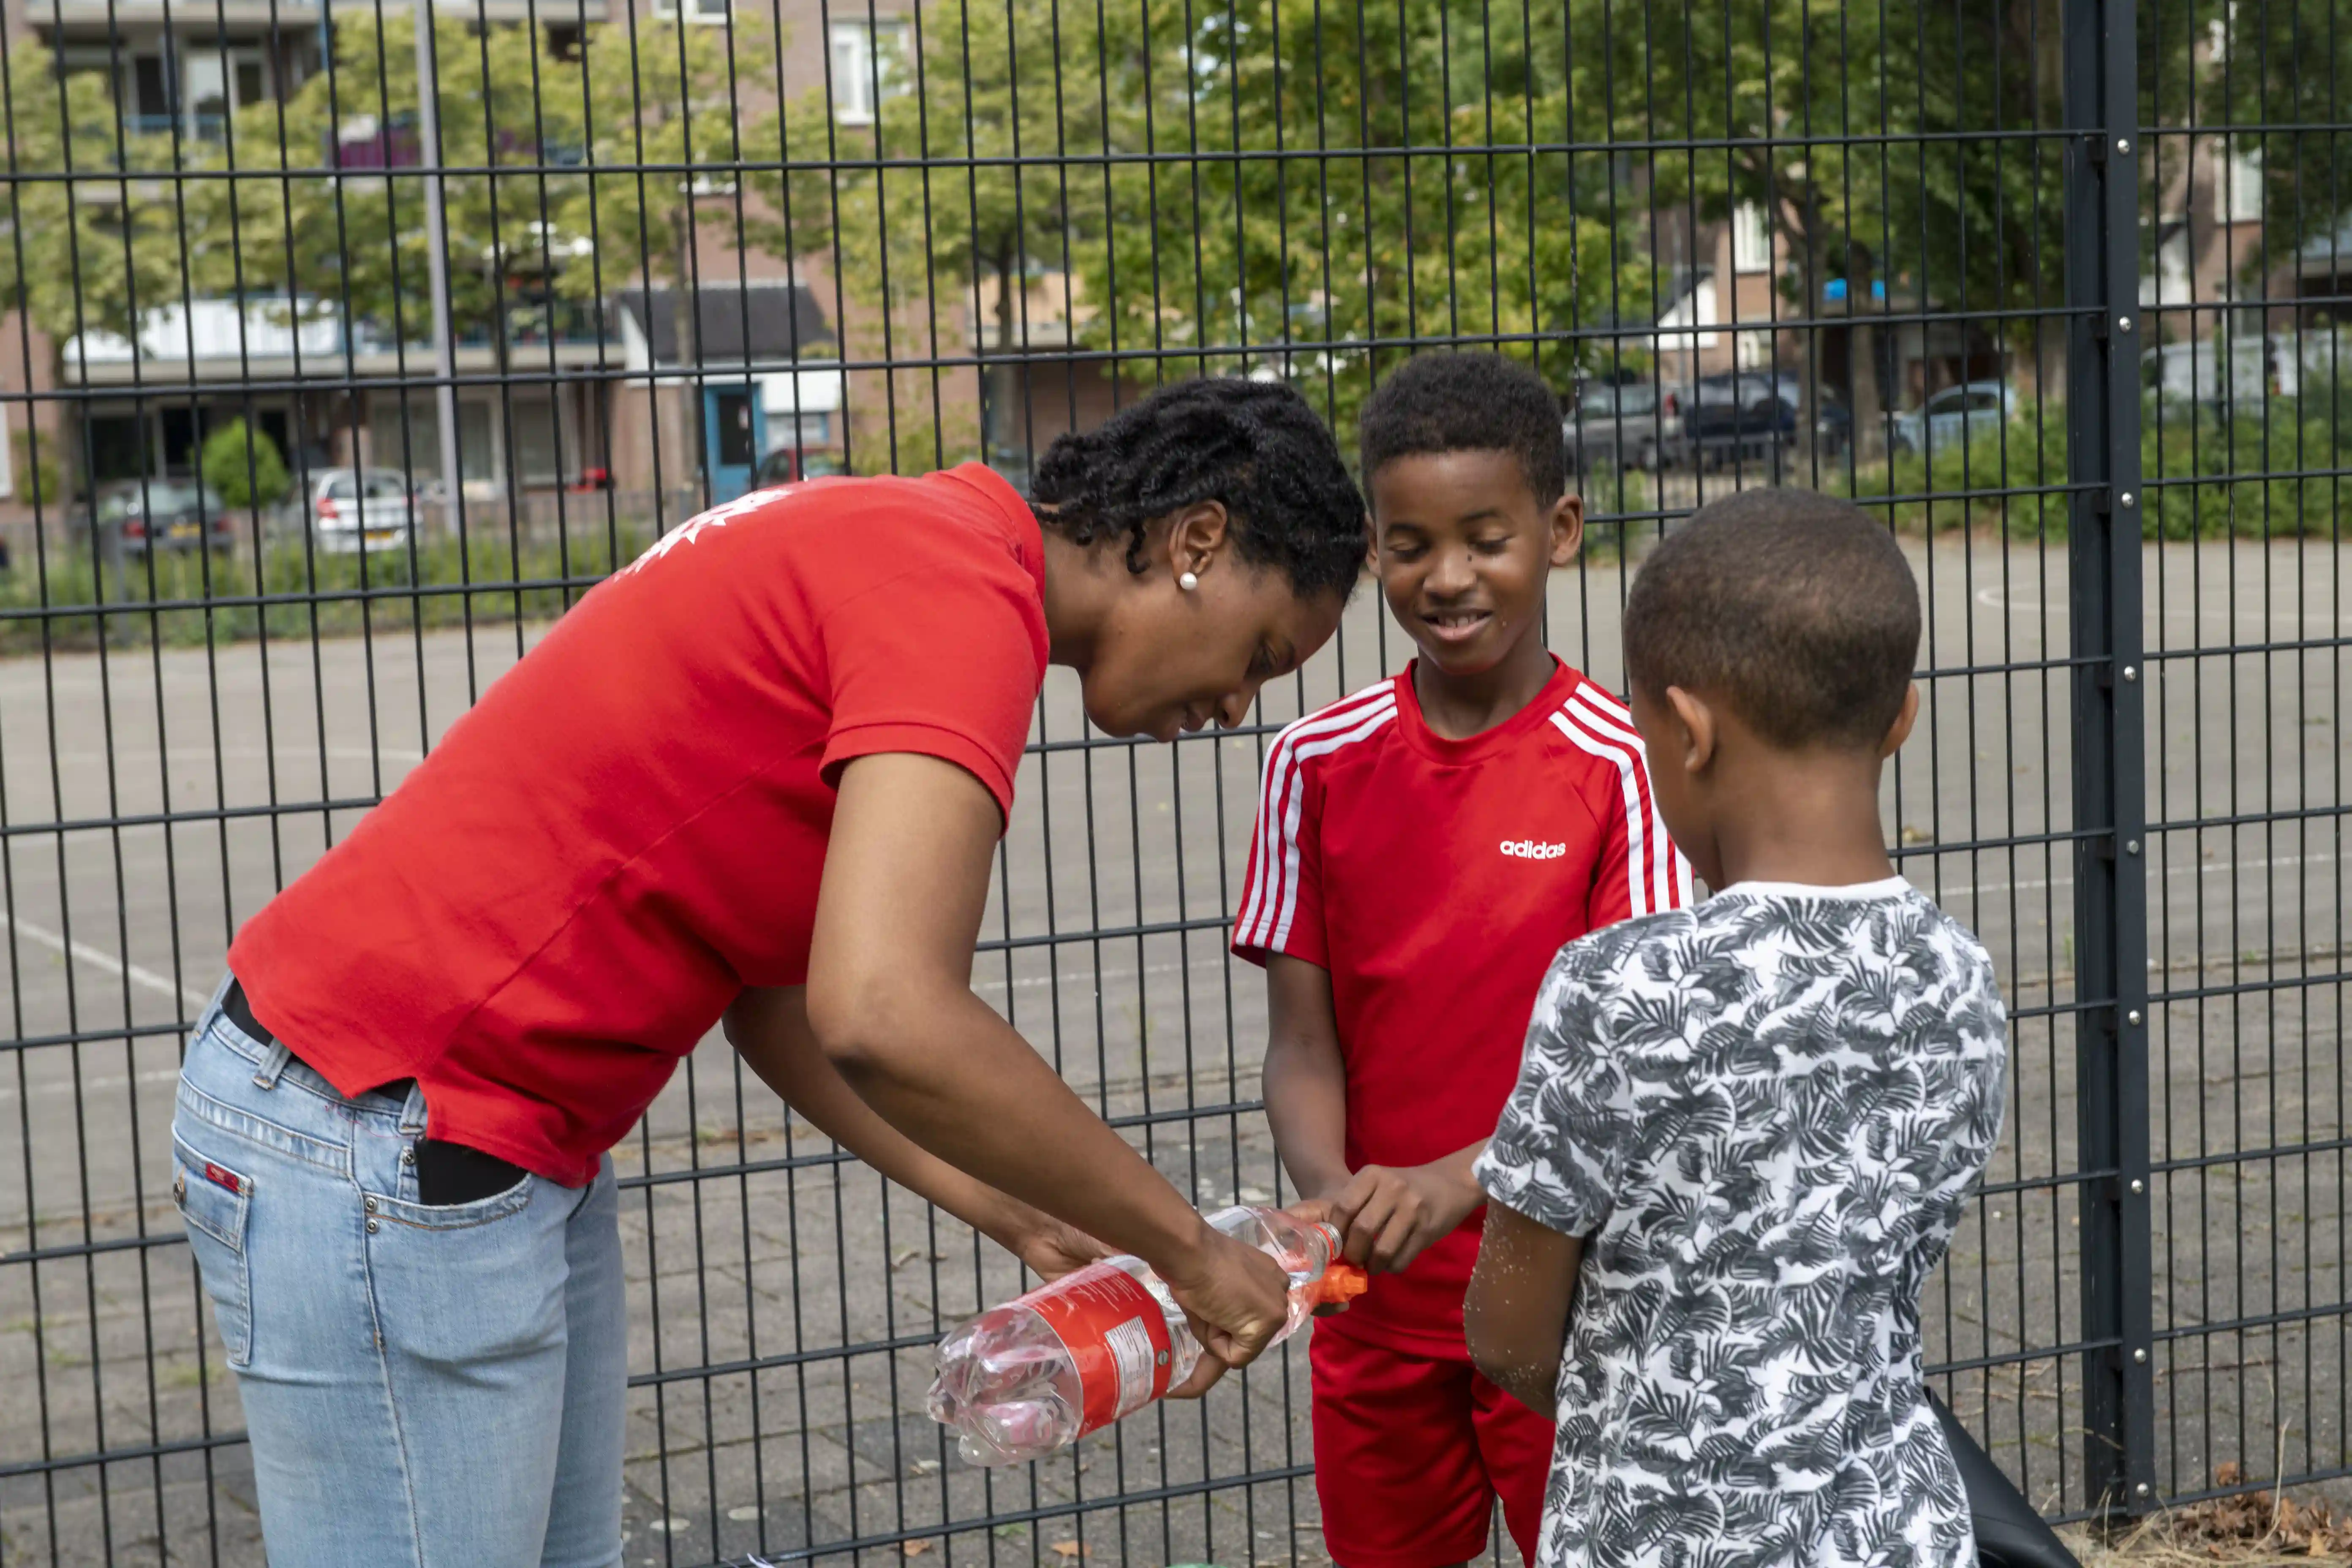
2054	286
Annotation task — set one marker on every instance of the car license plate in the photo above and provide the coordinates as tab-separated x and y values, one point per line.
183	531
382	535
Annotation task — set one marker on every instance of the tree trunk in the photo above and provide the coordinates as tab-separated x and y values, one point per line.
686	315
1006	375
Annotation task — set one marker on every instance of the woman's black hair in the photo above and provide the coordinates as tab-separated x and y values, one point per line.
1255	446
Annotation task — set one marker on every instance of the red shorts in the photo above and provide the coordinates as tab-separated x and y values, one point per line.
1412	1454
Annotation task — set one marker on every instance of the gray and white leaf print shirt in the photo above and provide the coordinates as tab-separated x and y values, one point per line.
1763	1113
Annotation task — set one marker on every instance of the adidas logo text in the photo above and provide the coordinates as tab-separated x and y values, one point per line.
1529	849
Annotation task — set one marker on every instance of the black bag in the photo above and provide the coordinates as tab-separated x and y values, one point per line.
2010	1534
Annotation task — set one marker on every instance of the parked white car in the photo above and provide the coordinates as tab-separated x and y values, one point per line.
351	510
1954	417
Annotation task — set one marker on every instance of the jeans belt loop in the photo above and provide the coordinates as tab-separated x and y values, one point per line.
272	1065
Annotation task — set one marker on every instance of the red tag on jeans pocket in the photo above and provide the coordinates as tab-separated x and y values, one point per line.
221	1176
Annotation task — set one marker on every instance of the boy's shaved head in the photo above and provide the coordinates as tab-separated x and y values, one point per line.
1794	608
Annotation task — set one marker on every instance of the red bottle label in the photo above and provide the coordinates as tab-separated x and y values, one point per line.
1117	1336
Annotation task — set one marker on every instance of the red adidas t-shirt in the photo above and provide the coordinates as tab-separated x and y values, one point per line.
629	827
1436	880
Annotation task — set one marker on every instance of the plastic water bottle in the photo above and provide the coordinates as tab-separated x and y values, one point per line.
1033	1376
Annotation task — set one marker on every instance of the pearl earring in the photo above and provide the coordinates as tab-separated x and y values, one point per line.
1187	581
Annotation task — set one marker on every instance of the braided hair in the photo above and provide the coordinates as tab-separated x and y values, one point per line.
1257	446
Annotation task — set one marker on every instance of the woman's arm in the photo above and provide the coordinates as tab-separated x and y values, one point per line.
890	1002
1516	1312
770	1029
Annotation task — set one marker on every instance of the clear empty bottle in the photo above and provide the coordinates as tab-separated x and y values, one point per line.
1033	1376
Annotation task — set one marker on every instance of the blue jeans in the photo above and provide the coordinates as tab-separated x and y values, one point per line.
425	1386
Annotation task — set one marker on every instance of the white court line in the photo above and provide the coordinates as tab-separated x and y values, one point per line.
288	754
111	1080
2213	868
98	957
1998	599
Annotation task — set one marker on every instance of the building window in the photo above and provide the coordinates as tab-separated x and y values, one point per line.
1751	239
1752	350
2240	198
709	11
869	61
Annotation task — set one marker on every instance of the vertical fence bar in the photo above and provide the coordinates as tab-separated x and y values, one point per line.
2110	809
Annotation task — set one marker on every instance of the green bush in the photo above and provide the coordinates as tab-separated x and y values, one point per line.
2192	462
332	596
244	467
38	483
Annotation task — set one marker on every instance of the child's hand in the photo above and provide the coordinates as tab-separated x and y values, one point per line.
1390	1214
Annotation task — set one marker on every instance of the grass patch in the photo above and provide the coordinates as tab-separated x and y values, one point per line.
191	599
2251	1530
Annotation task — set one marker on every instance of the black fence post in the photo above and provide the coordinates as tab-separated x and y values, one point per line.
2110	796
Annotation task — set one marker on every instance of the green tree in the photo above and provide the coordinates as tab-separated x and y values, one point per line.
1362	179
1889	145
933	223
91	241
555	199
352	245
244	464
1266	186
2239	72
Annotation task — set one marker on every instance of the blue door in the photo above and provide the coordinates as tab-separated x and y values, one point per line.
734	430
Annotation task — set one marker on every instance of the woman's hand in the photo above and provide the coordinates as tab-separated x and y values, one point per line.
1317	1211
1051	1249
1237	1299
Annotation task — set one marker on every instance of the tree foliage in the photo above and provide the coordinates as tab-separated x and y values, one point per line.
245	465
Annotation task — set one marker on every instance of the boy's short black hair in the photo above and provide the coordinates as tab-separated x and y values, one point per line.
1257	447
1467	403
1793	607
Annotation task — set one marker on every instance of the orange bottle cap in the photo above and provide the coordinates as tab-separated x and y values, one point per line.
1341	1283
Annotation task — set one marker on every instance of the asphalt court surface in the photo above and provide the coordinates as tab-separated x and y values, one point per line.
151	800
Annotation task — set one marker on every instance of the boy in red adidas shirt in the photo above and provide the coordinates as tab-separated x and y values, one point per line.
1424	849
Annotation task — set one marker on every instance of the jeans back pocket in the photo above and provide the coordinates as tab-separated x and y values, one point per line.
214	1202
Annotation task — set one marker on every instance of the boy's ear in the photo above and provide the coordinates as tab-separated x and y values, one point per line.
1694	720
1567	529
1900	730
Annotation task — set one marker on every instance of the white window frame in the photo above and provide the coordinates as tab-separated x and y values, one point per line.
1751	239
2238	185
707	12
859	52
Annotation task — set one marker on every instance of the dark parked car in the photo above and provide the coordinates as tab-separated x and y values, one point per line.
1738	417
162	514
1632	425
788	465
1833	427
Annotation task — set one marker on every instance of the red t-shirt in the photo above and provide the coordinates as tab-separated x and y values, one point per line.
629	827
1436	880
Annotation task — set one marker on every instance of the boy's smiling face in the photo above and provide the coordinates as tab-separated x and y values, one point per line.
1463	547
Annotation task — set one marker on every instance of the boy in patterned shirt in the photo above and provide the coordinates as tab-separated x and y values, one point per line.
1743	1132
1423	849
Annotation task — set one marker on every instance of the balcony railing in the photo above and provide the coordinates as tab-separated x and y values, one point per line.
226	330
